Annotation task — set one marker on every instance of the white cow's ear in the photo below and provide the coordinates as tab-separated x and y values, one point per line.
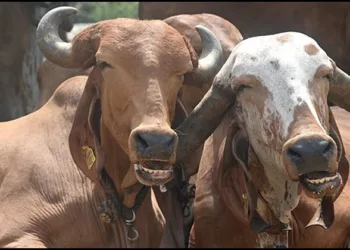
339	89
240	146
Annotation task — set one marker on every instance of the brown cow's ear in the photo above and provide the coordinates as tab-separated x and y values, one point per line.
84	138
193	54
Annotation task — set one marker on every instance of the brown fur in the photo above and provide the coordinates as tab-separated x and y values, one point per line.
73	199
125	57
139	90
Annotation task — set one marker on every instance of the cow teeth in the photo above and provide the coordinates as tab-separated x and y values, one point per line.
333	177
313	181
137	167
323	180
147	170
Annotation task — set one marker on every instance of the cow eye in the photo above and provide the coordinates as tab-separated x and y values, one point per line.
328	76
241	88
103	65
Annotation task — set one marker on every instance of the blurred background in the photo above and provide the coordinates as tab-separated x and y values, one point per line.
20	57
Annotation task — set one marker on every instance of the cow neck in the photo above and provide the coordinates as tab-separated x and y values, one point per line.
111	175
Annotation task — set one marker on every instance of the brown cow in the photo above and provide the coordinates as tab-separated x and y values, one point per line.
50	76
118	135
277	141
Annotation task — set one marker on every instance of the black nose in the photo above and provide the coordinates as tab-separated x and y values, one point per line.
146	141
311	154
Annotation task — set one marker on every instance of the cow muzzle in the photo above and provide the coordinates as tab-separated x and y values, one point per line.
312	160
153	153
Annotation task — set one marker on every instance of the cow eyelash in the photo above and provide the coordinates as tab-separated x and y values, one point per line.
242	87
103	65
328	76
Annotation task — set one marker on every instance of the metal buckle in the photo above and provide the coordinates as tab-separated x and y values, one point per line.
135	232
129	222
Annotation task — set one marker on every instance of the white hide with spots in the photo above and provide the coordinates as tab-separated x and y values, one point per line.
282	66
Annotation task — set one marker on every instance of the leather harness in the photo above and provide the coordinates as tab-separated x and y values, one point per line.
112	208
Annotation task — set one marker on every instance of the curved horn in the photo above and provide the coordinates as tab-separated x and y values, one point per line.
339	89
210	60
51	45
205	117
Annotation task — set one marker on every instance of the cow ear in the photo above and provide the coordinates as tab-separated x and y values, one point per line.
240	147
343	164
193	54
84	138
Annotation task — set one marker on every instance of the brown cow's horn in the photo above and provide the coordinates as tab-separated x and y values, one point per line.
339	91
51	45
210	59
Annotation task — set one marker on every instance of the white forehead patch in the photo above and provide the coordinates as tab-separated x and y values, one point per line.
284	63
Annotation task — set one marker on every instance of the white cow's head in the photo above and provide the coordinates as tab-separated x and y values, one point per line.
278	86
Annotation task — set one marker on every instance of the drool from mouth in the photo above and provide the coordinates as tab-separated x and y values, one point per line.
153	173
321	183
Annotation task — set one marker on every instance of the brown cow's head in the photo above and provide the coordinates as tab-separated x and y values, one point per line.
279	86
130	96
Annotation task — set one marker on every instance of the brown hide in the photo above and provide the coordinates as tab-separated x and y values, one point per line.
224	203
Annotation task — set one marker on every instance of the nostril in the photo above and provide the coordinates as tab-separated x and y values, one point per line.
140	141
328	148
169	141
294	156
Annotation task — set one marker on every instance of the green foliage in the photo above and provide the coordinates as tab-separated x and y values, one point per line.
90	12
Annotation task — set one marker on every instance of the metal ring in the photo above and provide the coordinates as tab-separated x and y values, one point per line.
132	219
136	234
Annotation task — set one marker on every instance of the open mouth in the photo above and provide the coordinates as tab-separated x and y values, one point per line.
321	183
153	173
